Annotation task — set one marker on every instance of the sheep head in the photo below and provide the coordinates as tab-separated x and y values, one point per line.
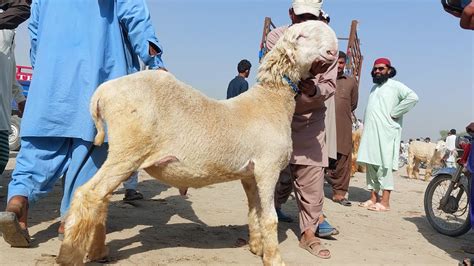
301	46
440	153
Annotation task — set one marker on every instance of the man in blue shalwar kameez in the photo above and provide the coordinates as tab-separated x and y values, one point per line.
75	46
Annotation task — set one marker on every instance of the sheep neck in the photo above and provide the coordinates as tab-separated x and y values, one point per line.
293	86
276	96
279	70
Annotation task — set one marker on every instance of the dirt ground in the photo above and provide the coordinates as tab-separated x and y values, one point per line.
168	229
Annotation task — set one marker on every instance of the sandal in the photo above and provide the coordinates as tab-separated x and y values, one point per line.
314	246
378	207
344	202
366	204
12	231
325	230
132	194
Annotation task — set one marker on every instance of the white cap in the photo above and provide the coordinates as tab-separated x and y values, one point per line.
307	6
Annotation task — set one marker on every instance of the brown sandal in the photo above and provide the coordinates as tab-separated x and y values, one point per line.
12	231
314	246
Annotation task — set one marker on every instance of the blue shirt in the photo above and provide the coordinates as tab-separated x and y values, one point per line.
75	46
237	86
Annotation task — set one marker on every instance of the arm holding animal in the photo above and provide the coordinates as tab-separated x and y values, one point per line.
323	86
135	19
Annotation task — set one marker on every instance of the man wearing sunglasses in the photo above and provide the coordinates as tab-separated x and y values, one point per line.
388	101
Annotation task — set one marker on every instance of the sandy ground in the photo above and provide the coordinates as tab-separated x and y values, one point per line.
167	229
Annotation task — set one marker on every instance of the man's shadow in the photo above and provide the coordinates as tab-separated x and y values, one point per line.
356	194
155	214
47	209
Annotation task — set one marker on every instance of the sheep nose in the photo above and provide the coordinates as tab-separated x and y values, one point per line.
332	53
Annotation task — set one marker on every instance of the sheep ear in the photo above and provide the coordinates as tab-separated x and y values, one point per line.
301	36
291	56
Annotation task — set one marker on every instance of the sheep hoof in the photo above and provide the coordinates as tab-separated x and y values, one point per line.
273	260
256	248
99	255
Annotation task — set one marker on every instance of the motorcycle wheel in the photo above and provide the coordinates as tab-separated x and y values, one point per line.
401	162
454	219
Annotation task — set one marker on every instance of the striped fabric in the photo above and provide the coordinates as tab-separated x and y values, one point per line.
4	150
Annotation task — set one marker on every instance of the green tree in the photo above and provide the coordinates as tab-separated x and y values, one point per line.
443	133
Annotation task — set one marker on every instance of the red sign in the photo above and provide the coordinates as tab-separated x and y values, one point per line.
24	73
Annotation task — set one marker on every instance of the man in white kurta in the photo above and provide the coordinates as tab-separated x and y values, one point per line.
451	145
388	101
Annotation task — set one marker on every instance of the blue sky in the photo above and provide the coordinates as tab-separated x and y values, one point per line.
204	40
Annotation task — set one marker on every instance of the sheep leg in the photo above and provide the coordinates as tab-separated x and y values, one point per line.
410	166
353	165
416	169
255	236
429	169
266	183
85	221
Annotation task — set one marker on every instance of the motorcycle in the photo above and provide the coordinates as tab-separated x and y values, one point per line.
402	160
447	196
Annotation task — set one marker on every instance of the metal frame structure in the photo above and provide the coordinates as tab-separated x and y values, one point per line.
267	27
354	54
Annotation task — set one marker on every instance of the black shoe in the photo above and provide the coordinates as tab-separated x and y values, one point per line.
132	194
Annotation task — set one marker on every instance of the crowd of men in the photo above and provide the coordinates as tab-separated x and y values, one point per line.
325	109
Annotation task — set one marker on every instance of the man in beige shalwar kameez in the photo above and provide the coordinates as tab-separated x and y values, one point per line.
310	154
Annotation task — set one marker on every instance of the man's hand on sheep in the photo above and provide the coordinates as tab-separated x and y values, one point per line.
308	87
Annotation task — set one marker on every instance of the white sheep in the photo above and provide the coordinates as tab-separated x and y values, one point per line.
185	139
430	153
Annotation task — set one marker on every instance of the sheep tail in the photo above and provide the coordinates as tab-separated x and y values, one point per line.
98	119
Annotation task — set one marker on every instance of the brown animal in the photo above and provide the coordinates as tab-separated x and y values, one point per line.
356	167
185	139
